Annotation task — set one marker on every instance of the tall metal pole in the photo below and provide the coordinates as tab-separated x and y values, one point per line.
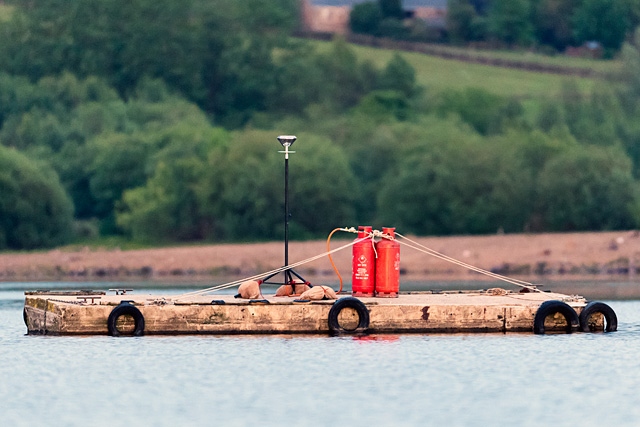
287	141
287	273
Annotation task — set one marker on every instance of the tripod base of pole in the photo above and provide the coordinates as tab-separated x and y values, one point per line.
288	278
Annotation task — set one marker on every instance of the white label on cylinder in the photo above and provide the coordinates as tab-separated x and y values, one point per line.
361	272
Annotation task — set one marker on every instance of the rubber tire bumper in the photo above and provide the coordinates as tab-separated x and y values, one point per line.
348	302
123	309
593	307
548	308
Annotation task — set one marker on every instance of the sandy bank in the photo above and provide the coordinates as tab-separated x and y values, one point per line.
566	254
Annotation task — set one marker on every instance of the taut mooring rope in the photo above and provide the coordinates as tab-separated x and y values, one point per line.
375	233
421	248
258	276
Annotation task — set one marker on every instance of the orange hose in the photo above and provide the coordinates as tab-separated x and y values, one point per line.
331	259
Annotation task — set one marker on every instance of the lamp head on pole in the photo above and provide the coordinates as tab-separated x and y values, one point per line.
287	141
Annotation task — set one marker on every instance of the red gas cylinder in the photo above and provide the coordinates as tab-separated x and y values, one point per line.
388	265
363	264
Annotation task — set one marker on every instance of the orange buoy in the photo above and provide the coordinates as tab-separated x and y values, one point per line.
388	265
363	261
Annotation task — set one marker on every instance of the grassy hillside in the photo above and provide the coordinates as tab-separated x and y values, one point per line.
438	73
600	66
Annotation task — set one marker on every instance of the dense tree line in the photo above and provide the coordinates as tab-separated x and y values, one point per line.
35	211
160	124
555	24
551	25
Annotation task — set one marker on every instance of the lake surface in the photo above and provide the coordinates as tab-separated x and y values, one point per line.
380	380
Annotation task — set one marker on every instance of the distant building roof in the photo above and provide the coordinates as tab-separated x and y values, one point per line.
406	4
332	16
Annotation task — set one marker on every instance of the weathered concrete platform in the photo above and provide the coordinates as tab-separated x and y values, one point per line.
481	311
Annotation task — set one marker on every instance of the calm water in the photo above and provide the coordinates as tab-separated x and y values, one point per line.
398	380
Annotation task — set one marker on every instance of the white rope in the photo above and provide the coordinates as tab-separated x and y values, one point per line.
417	246
370	235
268	273
421	248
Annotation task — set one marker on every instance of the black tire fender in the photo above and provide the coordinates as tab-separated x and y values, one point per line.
611	320
123	309
348	302
548	308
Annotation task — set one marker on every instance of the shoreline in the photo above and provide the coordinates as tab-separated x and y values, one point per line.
565	255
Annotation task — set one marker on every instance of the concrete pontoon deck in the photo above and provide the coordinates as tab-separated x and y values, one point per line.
83	312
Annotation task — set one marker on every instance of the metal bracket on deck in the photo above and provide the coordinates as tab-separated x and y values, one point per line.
121	291
88	297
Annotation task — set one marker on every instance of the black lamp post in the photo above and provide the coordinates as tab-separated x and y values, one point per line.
286	141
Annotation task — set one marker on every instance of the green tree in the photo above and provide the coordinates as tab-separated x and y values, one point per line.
118	162
393	28
536	148
392	24
604	21
510	22
35	128
629	74
365	17
242	191
370	139
239	69
299	81
634	13
486	112
552	20
15	91
593	119
166	208
460	17
119	40
35	211
400	76
391	9
346	79
549	116
55	110
628	79
322	187
217	53
382	105
589	188
450	182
